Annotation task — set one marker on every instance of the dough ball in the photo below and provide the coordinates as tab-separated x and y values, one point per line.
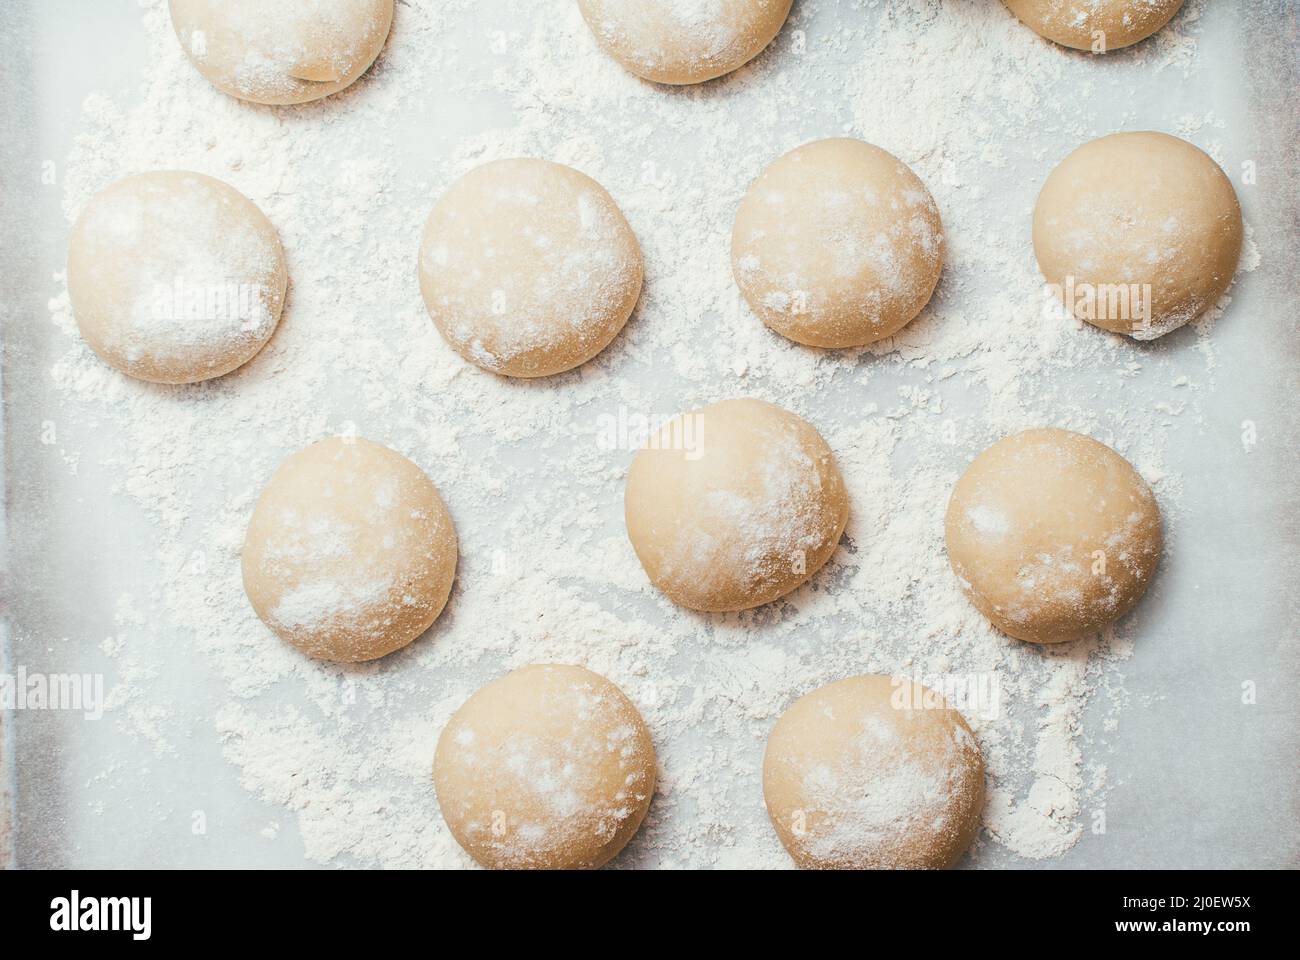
1073	23
873	773
281	51
685	41
550	767
528	267
837	244
1138	233
1052	535
175	277
734	505
350	553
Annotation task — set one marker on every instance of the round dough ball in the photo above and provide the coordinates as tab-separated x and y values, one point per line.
1138	233
350	553
873	773
837	244
528	267
686	41
734	505
1052	535
281	51
550	767
175	277
1073	23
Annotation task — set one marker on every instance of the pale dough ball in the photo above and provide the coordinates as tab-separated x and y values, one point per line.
175	277
350	553
282	51
528	267
684	41
734	505
837	244
874	773
1138	232
1052	535
550	767
1074	23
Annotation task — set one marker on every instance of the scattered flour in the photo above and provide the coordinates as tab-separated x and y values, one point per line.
965	95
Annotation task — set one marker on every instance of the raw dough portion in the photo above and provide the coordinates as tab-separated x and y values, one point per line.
350	553
175	277
528	267
837	244
282	51
684	41
550	767
1146	222
734	505
874	773
1052	535
1073	23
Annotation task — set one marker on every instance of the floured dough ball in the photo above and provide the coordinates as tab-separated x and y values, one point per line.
528	267
350	553
874	773
175	277
1052	535
685	41
837	244
1094	24
1138	233
282	51
734	505
550	767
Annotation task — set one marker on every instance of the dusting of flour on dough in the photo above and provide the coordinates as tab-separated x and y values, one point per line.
958	91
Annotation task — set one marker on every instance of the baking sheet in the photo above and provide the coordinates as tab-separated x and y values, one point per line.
1194	777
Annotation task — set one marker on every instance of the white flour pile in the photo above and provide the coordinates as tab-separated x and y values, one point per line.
975	103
